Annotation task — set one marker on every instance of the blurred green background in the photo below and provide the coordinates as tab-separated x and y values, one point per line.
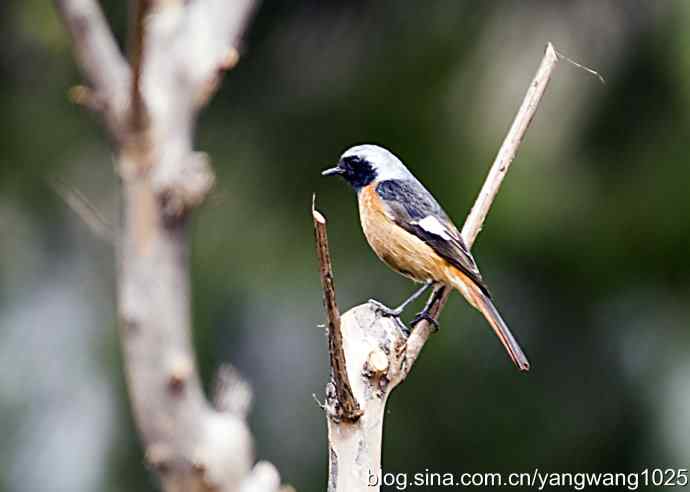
585	248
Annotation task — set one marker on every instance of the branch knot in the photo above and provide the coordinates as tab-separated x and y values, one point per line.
184	187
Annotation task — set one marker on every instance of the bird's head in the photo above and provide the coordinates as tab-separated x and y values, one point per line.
363	164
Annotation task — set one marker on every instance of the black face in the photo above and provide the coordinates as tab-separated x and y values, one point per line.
356	171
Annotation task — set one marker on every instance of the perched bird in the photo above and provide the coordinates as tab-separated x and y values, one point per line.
410	232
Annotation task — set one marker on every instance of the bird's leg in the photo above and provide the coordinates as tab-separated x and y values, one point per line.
386	311
415	295
424	313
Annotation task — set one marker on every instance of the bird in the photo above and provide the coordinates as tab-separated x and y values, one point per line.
412	234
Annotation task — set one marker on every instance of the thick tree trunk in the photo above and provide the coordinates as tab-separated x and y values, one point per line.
178	51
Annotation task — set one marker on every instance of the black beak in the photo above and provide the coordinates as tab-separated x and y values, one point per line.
334	171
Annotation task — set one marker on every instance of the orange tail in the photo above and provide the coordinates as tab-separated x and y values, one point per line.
483	303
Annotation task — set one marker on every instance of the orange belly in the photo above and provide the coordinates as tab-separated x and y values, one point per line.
402	251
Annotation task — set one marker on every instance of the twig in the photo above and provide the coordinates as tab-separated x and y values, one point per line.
137	42
587	69
98	55
343	405
86	211
475	220
509	148
209	22
232	394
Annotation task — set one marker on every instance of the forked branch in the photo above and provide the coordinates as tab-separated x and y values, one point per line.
192	444
100	59
378	356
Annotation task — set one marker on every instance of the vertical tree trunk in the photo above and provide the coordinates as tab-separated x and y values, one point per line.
178	51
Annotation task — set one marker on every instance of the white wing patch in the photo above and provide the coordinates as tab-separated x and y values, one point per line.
431	224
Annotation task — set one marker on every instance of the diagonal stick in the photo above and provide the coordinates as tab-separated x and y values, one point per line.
487	194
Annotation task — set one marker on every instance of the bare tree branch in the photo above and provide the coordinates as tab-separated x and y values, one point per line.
86	211
98	56
377	353
475	220
137	114
193	445
509	148
340	403
423	330
214	33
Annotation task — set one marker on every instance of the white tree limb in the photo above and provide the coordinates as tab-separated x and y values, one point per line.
193	445
214	32
509	148
379	356
99	57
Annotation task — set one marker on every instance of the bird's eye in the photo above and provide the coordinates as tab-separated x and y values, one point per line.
353	161
357	170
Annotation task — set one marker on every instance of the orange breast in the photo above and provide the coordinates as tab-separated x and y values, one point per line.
402	251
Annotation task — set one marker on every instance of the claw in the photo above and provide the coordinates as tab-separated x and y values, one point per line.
385	310
426	316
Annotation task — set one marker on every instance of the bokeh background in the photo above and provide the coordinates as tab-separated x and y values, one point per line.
585	248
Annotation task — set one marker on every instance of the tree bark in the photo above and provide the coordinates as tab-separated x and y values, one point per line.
178	51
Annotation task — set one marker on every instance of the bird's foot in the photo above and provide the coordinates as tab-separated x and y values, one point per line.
385	310
426	316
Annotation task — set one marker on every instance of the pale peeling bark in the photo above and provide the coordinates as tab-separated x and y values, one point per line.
379	356
178	53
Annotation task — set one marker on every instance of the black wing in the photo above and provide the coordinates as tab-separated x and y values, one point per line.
414	209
